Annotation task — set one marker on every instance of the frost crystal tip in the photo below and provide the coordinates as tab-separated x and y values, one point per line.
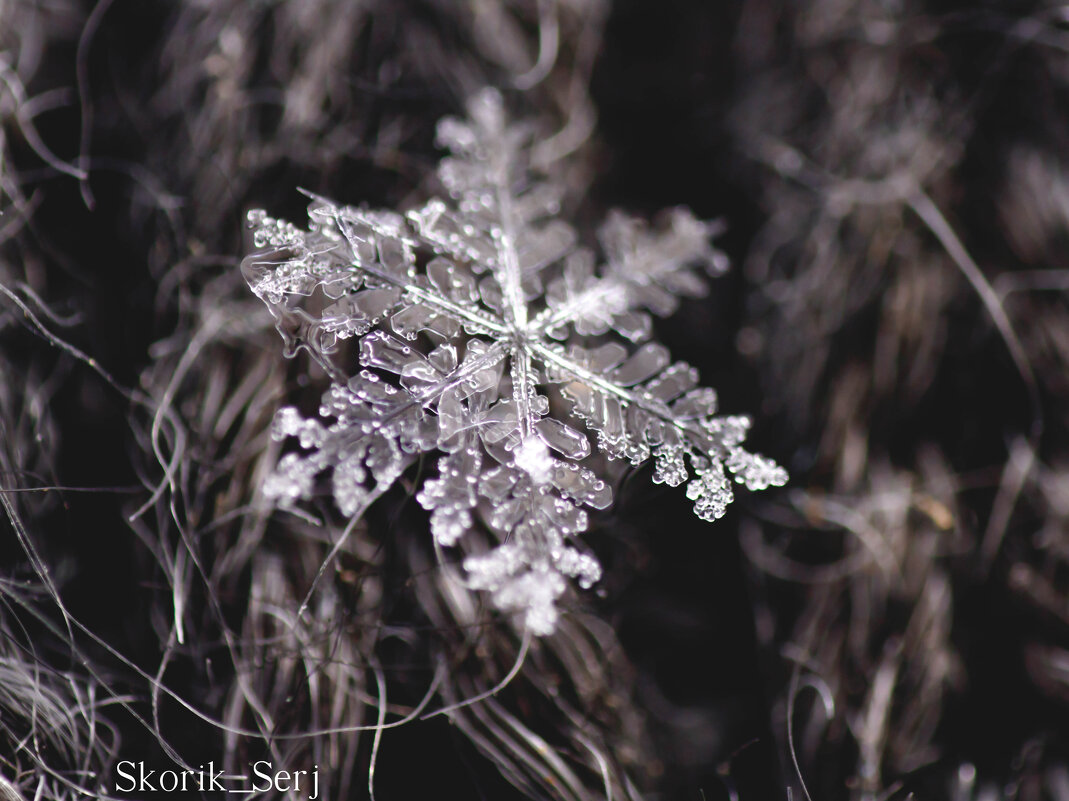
485	333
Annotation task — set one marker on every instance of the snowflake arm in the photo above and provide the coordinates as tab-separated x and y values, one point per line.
646	270
645	406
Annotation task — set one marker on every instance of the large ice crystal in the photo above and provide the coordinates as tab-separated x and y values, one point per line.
485	333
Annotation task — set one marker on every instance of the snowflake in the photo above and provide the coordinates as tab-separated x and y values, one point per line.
487	334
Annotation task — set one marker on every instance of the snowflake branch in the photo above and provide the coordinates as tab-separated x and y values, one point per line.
642	400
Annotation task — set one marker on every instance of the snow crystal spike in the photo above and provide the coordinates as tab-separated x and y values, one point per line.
404	287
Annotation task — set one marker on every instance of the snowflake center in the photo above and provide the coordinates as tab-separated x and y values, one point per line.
523	337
